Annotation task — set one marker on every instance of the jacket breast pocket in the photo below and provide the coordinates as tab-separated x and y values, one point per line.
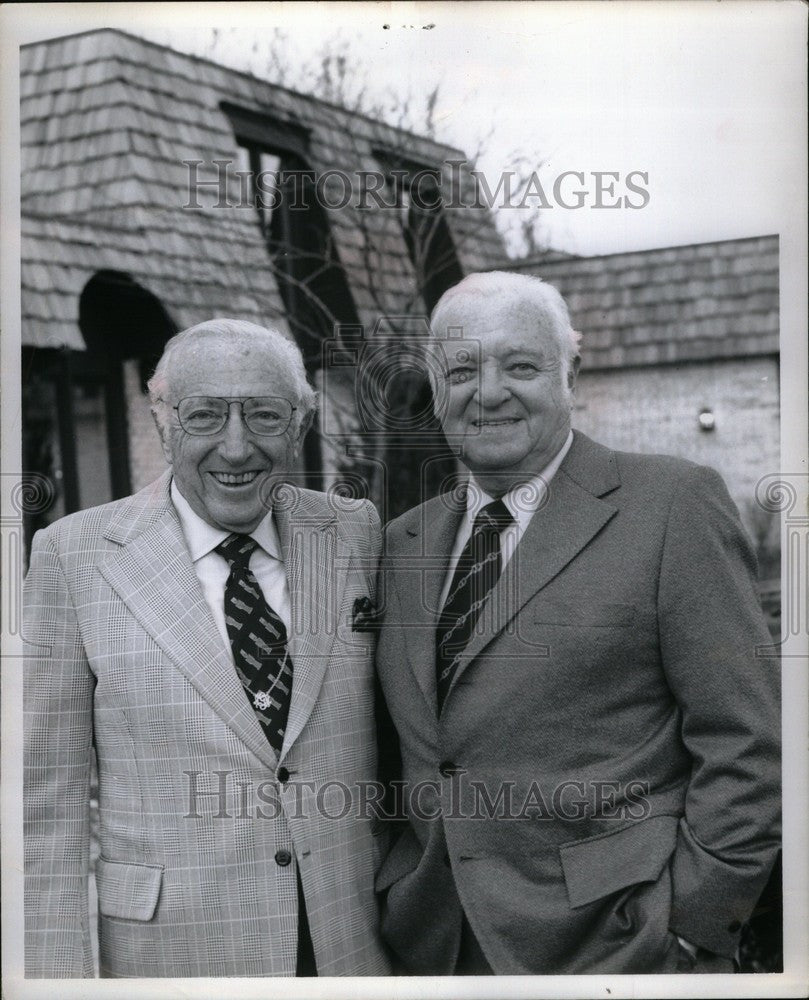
599	866
584	614
127	890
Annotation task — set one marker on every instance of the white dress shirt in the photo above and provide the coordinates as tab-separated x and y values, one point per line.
523	501
266	563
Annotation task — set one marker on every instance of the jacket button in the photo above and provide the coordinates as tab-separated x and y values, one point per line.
282	774
283	858
446	768
734	926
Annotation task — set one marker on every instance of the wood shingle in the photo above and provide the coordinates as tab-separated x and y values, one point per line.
107	121
676	304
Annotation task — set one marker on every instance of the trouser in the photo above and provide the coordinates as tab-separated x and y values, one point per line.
306	965
471	960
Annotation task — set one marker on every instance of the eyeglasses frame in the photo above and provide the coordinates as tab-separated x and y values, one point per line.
241	400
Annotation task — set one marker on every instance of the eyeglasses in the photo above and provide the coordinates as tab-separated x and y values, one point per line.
205	415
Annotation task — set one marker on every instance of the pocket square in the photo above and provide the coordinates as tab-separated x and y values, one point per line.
365	617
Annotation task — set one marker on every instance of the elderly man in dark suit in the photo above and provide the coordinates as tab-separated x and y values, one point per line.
589	744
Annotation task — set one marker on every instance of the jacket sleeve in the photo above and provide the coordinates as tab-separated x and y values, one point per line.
58	731
712	635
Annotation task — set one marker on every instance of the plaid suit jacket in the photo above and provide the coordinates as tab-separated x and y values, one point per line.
200	834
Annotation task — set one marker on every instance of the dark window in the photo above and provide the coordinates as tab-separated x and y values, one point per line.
419	461
120	321
414	188
75	403
296	228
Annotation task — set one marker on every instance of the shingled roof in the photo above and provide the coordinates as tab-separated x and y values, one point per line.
227	276
106	121
677	304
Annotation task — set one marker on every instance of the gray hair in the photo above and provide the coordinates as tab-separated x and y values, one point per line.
238	332
520	289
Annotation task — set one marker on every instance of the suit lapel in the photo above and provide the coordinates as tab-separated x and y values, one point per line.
317	564
153	574
423	571
571	516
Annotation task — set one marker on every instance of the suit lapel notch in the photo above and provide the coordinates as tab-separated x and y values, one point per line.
557	532
421	565
154	576
317	565
593	466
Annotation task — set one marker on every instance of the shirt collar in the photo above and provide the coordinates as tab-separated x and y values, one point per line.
523	500
202	538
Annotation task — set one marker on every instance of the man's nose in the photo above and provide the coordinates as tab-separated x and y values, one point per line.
235	444
492	389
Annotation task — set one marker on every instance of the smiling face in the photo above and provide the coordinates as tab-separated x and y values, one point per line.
507	394
226	477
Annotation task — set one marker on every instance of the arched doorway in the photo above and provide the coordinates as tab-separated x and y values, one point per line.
78	406
123	325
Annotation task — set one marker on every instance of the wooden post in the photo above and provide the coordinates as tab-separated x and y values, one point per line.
117	429
67	431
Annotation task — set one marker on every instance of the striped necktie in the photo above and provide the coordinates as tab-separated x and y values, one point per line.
477	572
258	639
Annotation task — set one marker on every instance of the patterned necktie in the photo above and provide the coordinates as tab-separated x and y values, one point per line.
258	639
477	572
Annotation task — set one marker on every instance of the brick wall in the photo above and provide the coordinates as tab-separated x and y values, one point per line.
657	410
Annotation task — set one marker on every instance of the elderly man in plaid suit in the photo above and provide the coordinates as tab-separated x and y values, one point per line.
200	635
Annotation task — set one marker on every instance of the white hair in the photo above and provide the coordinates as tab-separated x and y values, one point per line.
520	290
237	332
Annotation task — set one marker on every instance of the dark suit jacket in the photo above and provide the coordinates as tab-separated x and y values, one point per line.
613	701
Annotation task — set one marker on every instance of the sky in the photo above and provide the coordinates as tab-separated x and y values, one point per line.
702	103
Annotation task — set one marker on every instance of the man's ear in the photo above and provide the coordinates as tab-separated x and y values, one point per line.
162	433
573	372
303	428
